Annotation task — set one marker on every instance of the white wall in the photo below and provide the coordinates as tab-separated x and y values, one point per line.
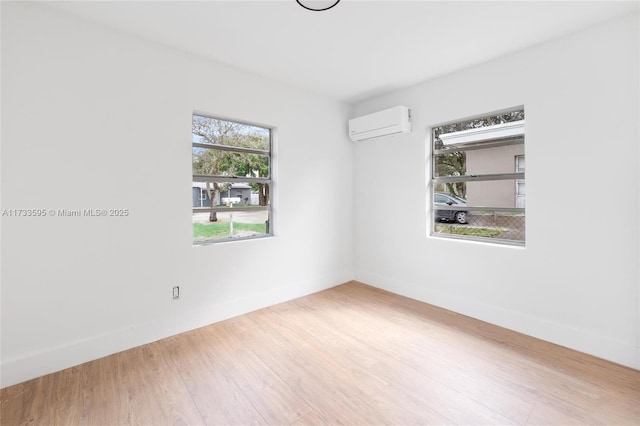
577	280
93	118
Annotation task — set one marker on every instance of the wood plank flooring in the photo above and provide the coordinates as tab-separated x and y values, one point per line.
349	355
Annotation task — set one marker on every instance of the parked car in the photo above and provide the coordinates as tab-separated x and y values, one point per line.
459	216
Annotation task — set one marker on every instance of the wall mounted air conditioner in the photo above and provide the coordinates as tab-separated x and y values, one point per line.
390	121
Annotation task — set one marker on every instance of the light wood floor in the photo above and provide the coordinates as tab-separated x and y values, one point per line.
349	355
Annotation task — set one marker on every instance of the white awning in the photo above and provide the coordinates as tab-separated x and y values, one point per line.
497	131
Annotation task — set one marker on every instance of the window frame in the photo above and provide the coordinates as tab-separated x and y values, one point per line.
205	178
506	139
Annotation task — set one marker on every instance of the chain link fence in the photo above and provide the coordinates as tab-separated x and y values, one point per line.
486	225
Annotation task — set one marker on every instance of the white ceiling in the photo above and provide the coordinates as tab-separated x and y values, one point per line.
356	50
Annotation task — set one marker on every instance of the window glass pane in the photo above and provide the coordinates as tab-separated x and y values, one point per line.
478	162
221	132
476	123
223	223
490	193
487	224
215	162
452	215
230	194
230	225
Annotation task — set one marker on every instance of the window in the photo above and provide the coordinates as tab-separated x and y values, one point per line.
478	179
520	190
203	197
231	182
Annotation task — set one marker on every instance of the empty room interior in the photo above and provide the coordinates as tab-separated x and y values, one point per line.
314	212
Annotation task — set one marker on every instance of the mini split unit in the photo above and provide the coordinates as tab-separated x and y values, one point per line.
390	121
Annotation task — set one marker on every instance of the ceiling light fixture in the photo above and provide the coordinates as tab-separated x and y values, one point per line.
317	5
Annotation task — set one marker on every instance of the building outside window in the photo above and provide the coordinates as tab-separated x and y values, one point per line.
231	184
478	179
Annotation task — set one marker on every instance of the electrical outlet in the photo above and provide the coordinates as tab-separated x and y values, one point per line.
176	292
